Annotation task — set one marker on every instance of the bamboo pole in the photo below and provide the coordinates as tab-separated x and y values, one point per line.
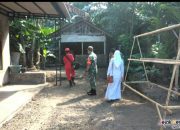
143	62
155	60
159	113
157	85
82	48
60	82
158	59
172	79
137	82
130	57
56	57
175	34
170	88
177	70
171	83
128	64
172	107
149	99
159	30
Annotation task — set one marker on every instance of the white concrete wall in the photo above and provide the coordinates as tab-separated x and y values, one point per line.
4	30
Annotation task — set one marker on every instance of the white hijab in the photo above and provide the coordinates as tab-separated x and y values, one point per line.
117	58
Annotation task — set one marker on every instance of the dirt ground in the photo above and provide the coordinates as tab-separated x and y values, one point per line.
65	108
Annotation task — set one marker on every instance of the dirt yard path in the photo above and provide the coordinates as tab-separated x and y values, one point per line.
65	108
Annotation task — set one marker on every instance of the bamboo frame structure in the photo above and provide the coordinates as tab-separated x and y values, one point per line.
175	62
159	30
155	60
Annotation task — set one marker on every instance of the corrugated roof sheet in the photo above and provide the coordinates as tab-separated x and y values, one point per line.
39	9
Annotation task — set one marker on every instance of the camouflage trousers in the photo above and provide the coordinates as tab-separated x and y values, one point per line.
92	80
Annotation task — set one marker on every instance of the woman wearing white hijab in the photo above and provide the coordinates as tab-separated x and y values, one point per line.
116	70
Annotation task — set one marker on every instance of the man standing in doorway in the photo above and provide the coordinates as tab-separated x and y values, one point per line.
91	69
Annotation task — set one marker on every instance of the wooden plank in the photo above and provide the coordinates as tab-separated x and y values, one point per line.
155	60
159	30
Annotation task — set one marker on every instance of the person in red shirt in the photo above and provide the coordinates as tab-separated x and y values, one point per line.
70	72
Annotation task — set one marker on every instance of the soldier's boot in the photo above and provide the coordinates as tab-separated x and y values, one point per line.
92	92
89	92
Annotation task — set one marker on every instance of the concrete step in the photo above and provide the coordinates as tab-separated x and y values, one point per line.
28	78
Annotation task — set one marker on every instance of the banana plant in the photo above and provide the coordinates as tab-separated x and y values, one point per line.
24	34
44	42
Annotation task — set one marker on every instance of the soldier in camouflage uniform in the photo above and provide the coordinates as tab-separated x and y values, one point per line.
91	69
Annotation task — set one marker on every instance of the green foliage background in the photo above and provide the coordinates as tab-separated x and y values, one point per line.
122	20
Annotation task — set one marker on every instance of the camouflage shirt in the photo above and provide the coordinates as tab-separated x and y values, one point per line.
92	61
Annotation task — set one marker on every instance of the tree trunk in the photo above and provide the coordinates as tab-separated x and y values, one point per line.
132	23
31	53
24	57
31	56
37	55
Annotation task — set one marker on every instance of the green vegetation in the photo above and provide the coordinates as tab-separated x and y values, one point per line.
30	35
122	20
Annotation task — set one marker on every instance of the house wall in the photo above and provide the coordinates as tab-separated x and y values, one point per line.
4	31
